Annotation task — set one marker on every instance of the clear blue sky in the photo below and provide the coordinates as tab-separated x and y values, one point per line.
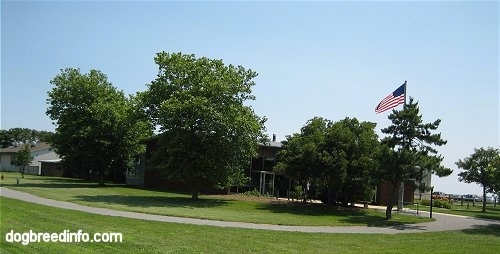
328	59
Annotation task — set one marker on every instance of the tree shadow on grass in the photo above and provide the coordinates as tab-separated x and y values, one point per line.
491	229
152	201
491	214
307	209
348	215
375	220
55	185
49	182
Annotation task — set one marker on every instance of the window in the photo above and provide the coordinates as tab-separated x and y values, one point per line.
132	173
258	164
13	159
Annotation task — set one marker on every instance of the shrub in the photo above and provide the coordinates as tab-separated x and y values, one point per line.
297	193
253	192
436	203
441	204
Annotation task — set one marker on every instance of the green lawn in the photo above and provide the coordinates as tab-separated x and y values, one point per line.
158	237
268	211
492	212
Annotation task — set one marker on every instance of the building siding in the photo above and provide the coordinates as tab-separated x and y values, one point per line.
43	152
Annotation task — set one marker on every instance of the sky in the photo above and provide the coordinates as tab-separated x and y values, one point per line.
332	59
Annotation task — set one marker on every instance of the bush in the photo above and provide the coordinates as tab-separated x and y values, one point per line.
425	202
436	203
297	193
253	192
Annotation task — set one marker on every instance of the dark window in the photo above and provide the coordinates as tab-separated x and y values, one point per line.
13	159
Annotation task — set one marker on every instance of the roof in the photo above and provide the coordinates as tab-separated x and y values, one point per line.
38	147
271	144
51	161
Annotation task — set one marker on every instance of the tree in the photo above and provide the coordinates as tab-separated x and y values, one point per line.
409	150
496	175
299	157
339	157
238	179
44	136
361	146
481	167
23	158
206	131
96	129
22	134
7	137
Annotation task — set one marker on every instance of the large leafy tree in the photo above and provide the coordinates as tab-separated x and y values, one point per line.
496	175
23	134
23	158
409	150
97	132
482	167
299	157
206	132
339	157
360	146
5	138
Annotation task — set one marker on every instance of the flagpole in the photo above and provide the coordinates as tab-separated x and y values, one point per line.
404	105
402	184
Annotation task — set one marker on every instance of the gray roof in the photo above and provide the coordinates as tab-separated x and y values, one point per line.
14	149
51	161
271	144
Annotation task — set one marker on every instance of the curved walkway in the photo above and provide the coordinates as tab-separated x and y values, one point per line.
443	222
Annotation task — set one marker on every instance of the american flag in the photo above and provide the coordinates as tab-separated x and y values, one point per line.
392	100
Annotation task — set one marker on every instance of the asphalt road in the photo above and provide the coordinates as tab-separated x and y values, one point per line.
444	222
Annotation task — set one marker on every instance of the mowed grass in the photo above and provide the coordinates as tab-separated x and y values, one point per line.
492	211
227	208
158	237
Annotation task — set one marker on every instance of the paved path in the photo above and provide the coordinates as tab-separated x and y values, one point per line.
443	222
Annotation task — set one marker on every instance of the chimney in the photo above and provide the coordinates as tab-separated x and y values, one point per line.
274	137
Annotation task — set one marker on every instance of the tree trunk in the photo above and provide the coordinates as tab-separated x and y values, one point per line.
484	199
101	180
100	177
329	195
194	195
392	200
304	192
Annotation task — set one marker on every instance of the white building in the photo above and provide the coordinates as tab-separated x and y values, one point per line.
426	182
40	151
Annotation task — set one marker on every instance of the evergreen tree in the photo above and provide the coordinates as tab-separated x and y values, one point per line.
409	150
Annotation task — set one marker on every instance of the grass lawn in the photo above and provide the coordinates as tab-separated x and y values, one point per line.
227	208
159	237
492	212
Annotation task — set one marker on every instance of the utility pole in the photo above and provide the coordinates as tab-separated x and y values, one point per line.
432	191
401	196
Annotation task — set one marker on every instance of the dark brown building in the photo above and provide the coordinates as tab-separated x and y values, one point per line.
260	171
51	168
383	193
